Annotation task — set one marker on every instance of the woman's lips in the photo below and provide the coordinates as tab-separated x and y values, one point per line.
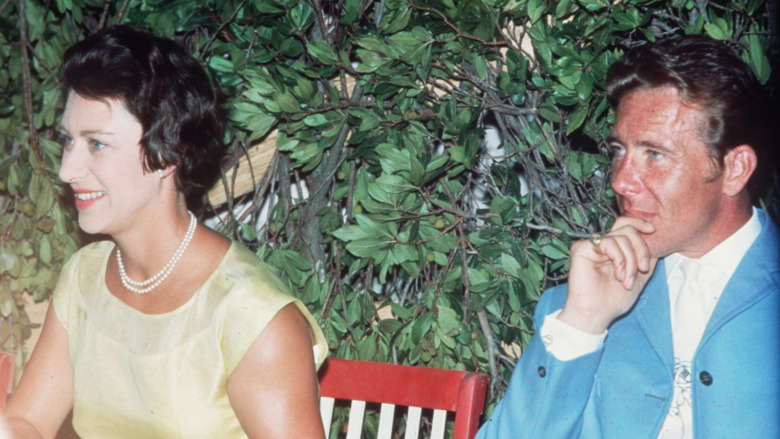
86	198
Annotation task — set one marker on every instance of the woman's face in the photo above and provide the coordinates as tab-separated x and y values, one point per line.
103	164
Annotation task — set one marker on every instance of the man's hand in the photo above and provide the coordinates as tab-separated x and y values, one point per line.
605	281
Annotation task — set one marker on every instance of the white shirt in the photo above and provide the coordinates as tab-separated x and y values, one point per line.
714	269
699	296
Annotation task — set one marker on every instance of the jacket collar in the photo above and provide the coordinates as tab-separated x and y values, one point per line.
759	267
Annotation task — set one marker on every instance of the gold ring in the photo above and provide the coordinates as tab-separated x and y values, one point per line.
595	239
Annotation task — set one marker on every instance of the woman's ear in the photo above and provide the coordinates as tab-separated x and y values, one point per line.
738	165
167	171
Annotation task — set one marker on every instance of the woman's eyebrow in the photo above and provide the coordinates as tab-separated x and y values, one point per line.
85	133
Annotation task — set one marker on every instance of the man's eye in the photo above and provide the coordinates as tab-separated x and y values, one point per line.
96	144
655	155
617	150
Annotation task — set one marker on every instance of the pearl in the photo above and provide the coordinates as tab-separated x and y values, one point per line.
145	286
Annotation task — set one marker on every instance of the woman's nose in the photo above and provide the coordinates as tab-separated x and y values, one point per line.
72	166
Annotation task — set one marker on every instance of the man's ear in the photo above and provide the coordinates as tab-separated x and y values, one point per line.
738	165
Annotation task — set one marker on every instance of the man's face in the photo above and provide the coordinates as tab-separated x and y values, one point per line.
664	174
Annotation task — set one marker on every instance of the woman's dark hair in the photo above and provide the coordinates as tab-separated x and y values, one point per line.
711	76
168	92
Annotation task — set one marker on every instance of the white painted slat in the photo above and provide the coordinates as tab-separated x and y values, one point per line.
413	423
386	416
386	421
356	412
439	424
326	413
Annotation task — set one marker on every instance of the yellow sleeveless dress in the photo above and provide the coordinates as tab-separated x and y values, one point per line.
139	375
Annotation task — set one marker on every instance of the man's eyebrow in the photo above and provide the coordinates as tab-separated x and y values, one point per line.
653	145
613	139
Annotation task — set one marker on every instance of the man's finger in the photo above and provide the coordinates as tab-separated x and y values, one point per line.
620	251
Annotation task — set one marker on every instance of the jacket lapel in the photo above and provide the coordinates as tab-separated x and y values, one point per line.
652	314
759	265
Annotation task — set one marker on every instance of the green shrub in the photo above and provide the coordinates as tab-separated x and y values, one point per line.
412	237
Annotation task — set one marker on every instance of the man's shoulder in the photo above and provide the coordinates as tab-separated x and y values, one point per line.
765	250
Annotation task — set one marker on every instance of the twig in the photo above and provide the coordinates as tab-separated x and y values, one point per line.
5	3
104	15
26	81
121	12
221	26
492	351
455	28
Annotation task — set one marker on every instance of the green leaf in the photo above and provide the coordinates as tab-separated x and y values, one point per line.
316	120
576	119
715	31
562	8
368	247
448	321
390	325
394	184
9	263
757	59
548	113
396	20
351	233
249	232
323	52
421	327
287	103
351	11
718	28
368	119
510	265
220	64
393	159
480	66
535	10
555	251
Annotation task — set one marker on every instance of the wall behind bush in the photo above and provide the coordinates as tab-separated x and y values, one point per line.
435	159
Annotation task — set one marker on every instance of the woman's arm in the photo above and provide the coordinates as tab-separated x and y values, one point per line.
45	394
273	390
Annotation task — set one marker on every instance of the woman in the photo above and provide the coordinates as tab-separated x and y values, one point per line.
168	329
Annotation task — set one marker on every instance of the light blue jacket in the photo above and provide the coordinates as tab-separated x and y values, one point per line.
625	389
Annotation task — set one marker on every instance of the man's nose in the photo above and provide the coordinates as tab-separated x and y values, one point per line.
625	178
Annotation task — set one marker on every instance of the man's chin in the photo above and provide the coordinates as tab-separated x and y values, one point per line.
658	250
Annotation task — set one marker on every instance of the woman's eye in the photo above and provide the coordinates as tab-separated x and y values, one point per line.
96	144
64	139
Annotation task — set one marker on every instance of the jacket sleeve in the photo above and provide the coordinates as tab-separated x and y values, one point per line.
546	397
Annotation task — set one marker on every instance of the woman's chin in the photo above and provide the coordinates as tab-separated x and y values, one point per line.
91	225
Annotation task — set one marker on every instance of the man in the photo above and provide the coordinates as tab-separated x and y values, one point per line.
670	324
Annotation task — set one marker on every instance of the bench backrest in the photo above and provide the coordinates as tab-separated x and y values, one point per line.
393	385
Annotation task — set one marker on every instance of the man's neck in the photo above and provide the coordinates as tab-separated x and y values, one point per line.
732	216
745	233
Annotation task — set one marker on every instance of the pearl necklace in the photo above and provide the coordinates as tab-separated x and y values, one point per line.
153	282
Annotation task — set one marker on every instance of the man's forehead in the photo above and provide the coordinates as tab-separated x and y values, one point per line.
659	109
